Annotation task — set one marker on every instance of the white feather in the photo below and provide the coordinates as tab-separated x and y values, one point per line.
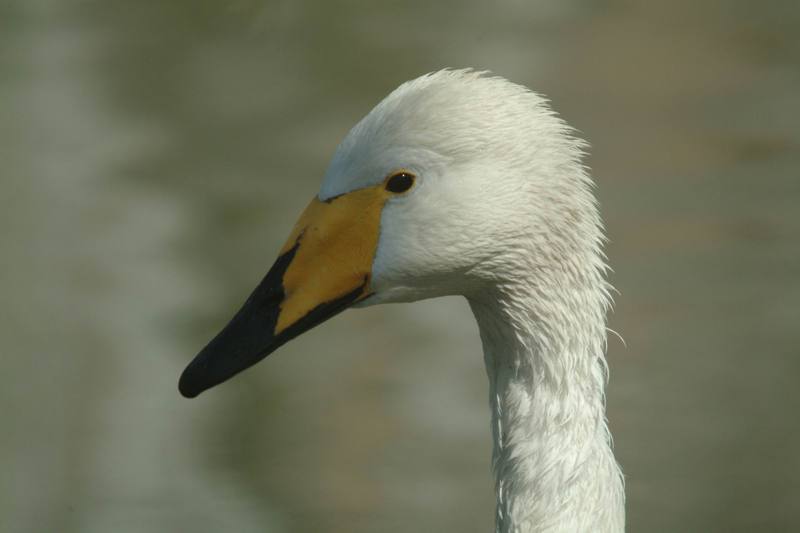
503	214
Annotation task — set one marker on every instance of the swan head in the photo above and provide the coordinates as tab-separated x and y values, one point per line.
455	183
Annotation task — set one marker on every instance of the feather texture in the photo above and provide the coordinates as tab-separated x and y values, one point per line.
504	214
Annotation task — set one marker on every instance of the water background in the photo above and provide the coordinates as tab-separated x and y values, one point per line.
154	155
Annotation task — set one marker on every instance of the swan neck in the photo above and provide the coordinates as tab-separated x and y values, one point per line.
552	459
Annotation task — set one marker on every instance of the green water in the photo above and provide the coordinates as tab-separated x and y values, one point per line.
153	156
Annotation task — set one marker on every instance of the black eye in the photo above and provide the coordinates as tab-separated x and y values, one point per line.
400	182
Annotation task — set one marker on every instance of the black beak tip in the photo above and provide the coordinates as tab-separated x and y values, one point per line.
195	378
250	336
188	384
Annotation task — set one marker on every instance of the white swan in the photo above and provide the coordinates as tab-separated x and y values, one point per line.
463	183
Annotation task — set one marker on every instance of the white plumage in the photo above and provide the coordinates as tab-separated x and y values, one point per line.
503	214
459	183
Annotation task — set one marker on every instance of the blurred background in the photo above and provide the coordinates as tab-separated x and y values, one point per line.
156	154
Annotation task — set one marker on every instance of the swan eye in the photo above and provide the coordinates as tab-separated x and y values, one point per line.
400	182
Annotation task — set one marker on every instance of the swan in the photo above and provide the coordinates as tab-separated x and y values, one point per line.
463	183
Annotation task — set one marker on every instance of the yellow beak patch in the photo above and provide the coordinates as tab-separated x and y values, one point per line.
335	244
324	267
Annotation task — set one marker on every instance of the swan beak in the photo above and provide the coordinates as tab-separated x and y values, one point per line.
324	267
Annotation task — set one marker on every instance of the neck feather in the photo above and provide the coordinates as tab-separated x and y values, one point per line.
544	343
